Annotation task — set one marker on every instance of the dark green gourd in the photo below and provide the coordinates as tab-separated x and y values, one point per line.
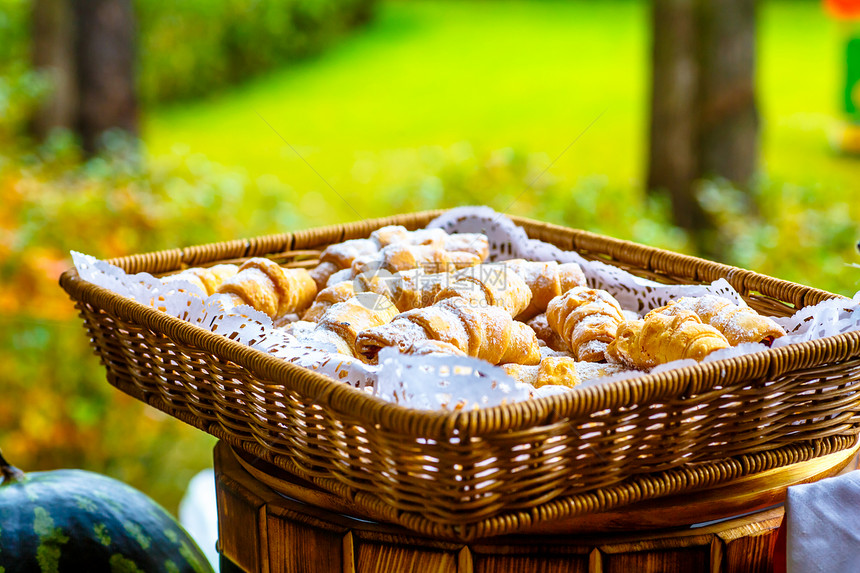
72	520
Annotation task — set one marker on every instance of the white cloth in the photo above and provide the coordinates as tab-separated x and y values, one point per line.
198	514
823	526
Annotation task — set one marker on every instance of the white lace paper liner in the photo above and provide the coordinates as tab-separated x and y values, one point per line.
441	382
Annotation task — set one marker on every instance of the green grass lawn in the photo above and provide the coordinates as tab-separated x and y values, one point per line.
527	75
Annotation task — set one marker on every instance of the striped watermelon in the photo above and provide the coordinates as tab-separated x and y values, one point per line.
72	520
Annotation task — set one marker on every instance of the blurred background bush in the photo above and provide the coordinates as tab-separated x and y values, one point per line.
399	106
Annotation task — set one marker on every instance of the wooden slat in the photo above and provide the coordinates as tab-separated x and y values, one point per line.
299	543
374	557
242	505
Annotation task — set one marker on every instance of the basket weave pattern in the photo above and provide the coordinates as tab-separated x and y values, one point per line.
495	470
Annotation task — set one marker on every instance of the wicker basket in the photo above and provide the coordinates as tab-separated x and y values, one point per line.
497	470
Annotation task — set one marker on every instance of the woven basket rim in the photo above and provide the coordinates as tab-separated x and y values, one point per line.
442	425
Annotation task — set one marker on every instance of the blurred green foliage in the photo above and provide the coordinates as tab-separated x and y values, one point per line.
20	87
197	47
62	413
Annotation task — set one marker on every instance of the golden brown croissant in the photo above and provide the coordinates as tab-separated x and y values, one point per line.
660	338
328	296
551	370
546	334
488	333
342	322
433	348
206	278
738	324
587	320
488	285
270	288
407	289
415	288
401	257
391	234
474	243
186	276
341	256
546	280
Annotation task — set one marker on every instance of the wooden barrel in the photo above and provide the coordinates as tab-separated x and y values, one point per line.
272	522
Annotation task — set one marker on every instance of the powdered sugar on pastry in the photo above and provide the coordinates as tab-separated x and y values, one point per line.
738	324
587	319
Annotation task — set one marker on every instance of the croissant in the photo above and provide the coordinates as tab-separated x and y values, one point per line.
551	370
208	279
488	333
496	288
391	234
328	296
474	243
587	320
401	257
342	322
660	338
341	256
186	276
409	289
433	348
546	280
270	288
415	288
546	334
738	324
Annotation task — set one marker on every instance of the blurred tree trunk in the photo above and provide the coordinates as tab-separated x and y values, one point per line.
92	44
104	53
728	119
53	36
704	121
674	159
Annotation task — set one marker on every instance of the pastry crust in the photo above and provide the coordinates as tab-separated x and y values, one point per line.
322	273
660	338
474	243
344	255
341	256
433	348
558	370
488	333
505	290
328	296
587	320
186	276
431	259
389	235
546	334
342	322
266	286
207	279
546	280
737	323
407	289
482	284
